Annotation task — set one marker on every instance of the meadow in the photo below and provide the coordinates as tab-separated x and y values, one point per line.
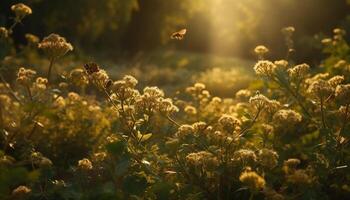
172	124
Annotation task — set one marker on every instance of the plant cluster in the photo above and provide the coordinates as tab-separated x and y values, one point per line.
289	141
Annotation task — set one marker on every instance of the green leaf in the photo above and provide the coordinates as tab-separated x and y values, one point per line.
144	137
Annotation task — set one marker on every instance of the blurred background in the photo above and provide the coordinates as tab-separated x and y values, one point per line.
135	34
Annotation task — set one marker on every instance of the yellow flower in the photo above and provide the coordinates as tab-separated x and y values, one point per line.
252	180
21	10
55	46
85	164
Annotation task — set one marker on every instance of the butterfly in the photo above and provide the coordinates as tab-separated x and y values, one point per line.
91	68
179	35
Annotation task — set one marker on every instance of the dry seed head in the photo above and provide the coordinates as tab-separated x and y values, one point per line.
21	10
264	68
336	80
286	117
342	93
245	156
268	158
55	46
281	64
184	130
243	95
32	39
190	110
25	76
299	71
85	164
21	191
261	50
320	88
229	122
252	180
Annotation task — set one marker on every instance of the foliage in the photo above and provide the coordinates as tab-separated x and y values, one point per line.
60	141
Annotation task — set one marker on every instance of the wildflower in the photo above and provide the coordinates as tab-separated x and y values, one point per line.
73	96
261	50
32	39
3	32
199	126
100	79
326	41
259	101
199	86
288	31
85	164
268	158
320	89
184	130
245	156
299	177
100	156
25	76
340	64
342	93
252	180
55	46
243	95
339	31
21	11
317	77
264	68
190	110
40	84
59	183
281	64
78	77
166	106
202	158
130	81
21	191
290	165
287	117
299	71
336	80
229	122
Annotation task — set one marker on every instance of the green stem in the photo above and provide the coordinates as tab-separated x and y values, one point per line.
322	114
50	69
345	119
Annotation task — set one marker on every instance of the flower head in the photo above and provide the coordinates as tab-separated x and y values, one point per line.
85	164
342	93
260	51
32	39
252	180
21	191
21	10
264	68
55	46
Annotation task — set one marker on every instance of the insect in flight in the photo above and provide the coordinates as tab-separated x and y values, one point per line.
179	35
